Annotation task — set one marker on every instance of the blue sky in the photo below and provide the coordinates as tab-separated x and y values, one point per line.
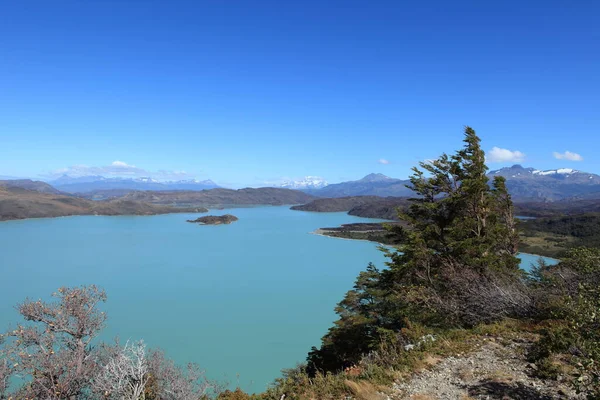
246	92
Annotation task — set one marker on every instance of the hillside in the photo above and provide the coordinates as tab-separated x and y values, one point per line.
552	236
360	206
222	197
557	208
19	203
336	204
29	184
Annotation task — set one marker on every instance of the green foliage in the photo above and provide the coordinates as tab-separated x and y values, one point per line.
572	288
583	260
584	320
359	328
458	215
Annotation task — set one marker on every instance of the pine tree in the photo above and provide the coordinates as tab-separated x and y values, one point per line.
457	263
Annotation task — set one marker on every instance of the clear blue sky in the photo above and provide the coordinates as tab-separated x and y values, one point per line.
250	91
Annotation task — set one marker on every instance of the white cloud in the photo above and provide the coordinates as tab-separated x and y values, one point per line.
567	155
498	155
383	161
118	169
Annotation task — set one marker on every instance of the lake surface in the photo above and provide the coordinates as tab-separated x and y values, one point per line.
242	300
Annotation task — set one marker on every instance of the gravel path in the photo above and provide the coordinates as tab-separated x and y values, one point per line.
493	371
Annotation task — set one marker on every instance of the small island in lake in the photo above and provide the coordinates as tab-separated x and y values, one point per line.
215	219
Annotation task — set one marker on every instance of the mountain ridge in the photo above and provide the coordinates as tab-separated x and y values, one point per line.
524	184
92	183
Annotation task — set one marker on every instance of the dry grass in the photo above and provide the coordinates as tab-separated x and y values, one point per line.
431	360
548	242
364	390
500	376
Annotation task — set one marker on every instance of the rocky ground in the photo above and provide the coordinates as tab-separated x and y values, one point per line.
497	369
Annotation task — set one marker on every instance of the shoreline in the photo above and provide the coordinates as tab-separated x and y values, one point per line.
322	232
100	215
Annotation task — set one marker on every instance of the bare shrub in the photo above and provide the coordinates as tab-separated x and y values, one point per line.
169	381
471	297
125	374
55	351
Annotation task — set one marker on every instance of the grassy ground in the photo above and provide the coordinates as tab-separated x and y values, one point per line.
545	244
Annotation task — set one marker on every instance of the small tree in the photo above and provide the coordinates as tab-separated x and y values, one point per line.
55	350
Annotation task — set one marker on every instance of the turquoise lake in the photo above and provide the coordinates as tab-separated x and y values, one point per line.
242	300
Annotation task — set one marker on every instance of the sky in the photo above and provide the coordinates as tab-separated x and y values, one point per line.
248	92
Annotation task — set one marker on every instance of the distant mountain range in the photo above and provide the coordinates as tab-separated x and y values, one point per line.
370	185
525	184
94	183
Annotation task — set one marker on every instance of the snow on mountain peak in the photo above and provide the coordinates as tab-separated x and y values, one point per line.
561	171
147	180
308	182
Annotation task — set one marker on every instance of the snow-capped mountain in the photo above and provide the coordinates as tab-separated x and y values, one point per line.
549	185
92	183
563	174
308	182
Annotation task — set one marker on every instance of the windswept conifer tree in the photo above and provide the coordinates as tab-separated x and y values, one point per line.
457	264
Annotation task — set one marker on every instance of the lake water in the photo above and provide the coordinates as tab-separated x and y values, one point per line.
242	300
